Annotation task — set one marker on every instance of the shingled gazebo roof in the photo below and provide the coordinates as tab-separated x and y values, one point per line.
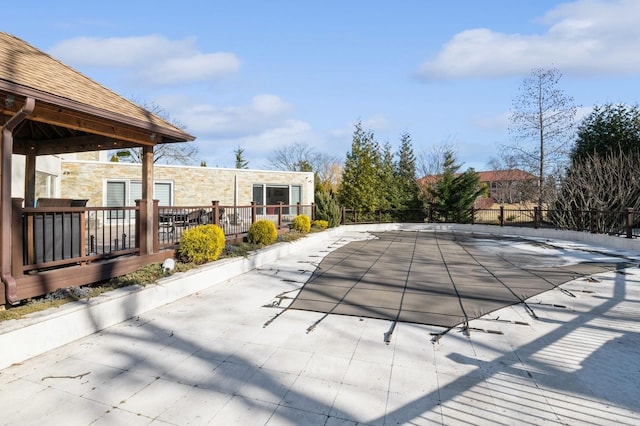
73	113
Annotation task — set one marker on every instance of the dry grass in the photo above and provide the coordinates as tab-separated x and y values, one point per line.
514	213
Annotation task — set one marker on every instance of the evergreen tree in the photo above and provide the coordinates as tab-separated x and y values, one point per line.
603	170
241	163
360	178
327	208
406	184
454	193
386	189
609	129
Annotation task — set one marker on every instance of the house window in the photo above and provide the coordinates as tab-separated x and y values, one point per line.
125	193
271	195
258	197
116	197
296	197
162	191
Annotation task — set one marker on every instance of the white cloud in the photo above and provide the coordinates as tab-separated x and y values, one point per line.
259	146
582	37
264	112
497	122
269	105
152	59
375	123
285	133
197	67
265	123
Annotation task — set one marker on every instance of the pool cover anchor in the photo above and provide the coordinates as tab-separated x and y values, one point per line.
274	317
497	319
466	330
486	330
529	310
313	326
436	336
565	291
276	304
387	335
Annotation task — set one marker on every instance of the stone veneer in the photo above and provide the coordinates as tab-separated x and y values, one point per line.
193	186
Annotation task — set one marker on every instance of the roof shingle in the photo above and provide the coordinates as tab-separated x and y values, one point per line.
24	65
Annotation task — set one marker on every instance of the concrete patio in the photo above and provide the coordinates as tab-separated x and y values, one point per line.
217	350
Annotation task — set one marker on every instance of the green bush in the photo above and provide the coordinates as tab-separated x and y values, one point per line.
262	232
327	208
201	244
301	223
322	224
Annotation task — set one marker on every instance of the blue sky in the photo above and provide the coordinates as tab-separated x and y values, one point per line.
261	75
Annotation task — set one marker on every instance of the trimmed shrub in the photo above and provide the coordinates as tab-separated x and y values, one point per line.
301	223
322	224
262	232
327	208
201	244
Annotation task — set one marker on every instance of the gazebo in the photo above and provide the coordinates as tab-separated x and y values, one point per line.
48	108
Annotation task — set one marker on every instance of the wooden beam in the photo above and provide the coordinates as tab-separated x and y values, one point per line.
32	285
74	120
69	145
70	119
150	124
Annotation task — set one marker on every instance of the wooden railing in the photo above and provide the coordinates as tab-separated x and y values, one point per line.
57	236
54	237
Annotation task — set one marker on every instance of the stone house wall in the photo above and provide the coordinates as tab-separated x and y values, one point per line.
192	185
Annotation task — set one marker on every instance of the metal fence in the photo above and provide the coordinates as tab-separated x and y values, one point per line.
624	223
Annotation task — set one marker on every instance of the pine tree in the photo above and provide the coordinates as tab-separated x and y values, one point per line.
608	130
454	193
327	208
387	187
407	187
360	179
241	163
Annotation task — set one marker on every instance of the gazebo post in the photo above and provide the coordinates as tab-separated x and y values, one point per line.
147	194
6	204
30	180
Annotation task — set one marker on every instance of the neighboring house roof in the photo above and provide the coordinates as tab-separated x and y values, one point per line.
512	175
506	176
72	103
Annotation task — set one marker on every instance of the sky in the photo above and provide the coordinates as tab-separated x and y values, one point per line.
262	75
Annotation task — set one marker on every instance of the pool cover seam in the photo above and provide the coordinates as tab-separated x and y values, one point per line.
446	266
339	302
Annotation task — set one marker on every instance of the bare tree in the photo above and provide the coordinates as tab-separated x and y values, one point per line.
292	157
431	161
183	153
299	157
512	185
603	183
328	173
542	124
